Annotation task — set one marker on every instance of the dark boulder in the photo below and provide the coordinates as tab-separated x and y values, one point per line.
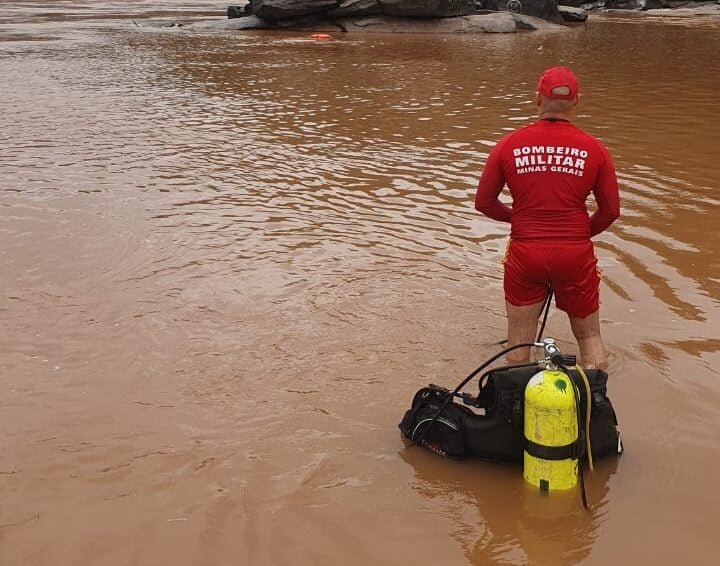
350	8
427	8
276	10
501	22
545	9
589	5
237	11
623	4
660	4
573	3
573	15
292	10
247	22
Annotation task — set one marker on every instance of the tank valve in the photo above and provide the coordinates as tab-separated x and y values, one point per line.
550	348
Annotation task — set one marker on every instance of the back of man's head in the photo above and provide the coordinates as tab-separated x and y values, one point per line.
558	90
558	83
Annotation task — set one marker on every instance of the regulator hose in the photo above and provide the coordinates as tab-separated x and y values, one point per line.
546	308
586	381
585	430
465	381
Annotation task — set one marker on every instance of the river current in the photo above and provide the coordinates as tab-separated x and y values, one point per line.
229	259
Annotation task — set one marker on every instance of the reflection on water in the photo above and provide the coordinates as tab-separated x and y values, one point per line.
229	260
499	519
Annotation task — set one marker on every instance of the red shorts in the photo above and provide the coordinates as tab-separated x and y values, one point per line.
570	268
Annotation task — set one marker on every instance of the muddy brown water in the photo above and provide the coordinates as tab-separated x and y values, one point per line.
229	260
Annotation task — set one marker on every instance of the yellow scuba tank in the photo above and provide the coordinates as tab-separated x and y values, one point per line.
551	428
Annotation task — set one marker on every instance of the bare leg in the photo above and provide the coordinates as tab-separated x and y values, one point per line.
522	327
587	334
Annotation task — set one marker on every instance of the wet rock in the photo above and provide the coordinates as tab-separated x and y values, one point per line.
248	22
661	4
356	8
413	16
545	9
502	22
242	23
654	7
591	5
688	10
573	15
237	11
499	22
427	8
623	4
277	10
531	23
651	4
313	22
285	10
583	4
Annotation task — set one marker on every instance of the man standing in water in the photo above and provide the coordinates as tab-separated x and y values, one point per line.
551	167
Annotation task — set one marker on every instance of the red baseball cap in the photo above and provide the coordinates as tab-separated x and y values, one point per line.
559	83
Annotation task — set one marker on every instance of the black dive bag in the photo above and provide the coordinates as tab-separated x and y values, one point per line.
496	433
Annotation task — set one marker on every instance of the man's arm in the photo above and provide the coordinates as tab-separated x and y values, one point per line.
607	197
490	185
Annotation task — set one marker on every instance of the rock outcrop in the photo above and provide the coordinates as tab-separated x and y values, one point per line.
356	8
279	10
425	15
545	9
498	22
285	13
571	14
699	6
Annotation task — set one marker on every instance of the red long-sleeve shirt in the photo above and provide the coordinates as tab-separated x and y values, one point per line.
550	167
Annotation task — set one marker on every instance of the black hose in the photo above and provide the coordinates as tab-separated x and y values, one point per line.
486	363
581	435
546	307
484	376
464	382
